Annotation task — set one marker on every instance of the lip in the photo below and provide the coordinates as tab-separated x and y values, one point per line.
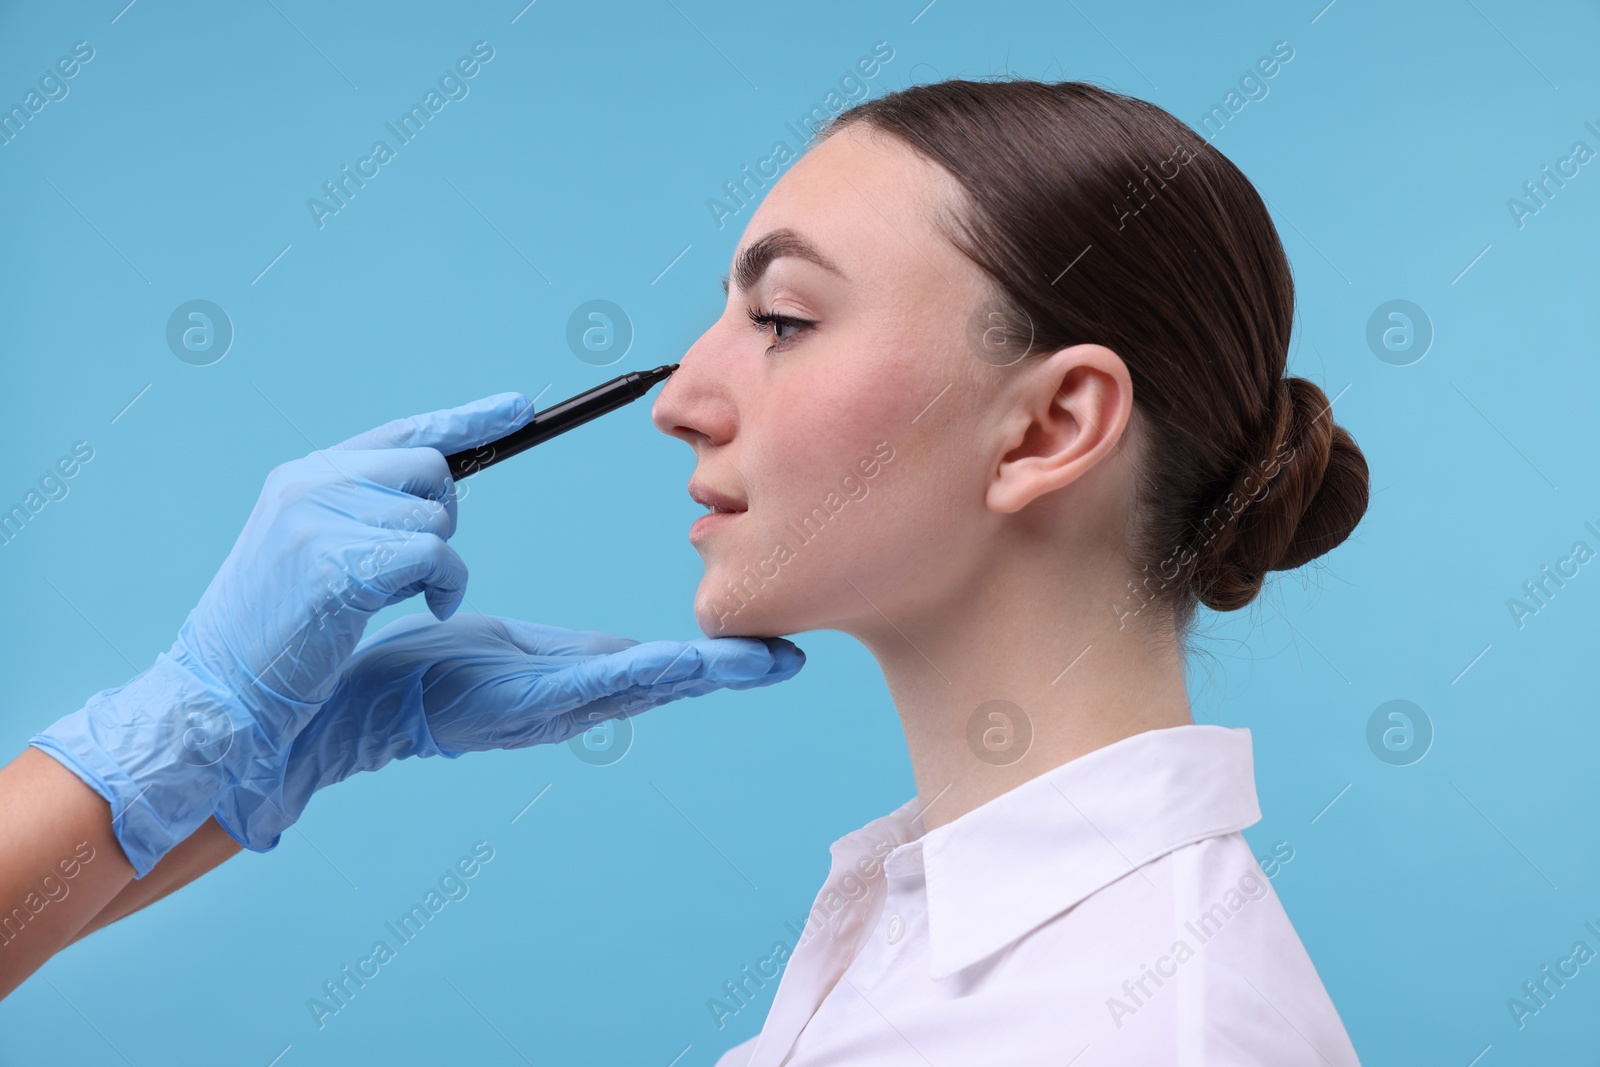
711	498
710	523
729	510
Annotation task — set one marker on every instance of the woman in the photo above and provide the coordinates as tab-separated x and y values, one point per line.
1016	407
999	391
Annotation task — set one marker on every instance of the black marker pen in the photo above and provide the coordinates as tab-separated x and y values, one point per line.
559	418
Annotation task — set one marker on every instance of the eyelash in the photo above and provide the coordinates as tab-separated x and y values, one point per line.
764	320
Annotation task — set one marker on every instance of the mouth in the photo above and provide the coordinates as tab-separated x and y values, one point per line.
723	509
717	501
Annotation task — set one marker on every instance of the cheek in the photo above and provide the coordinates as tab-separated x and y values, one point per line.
823	538
809	454
803	450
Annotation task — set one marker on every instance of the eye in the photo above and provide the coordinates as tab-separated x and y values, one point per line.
765	321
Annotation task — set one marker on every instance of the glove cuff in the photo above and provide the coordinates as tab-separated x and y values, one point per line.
250	832
152	748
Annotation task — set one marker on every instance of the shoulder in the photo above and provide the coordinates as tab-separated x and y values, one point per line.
1192	951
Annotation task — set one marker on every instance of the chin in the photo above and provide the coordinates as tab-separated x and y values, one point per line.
716	620
720	615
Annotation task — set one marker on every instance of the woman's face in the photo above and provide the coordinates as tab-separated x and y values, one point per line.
849	437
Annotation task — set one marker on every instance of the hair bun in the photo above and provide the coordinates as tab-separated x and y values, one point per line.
1300	496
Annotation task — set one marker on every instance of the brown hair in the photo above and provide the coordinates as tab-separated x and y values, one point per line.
1102	218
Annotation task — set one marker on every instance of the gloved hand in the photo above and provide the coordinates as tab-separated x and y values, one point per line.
334	537
419	687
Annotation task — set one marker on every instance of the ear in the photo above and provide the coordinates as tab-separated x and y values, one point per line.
1069	411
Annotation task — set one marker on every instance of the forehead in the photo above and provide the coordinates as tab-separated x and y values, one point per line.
869	202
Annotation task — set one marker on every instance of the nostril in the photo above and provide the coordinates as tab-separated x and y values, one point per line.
696	402
670	418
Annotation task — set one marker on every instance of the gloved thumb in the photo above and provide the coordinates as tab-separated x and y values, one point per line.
451	429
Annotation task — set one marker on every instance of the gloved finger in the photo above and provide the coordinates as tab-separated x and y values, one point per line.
417	479
787	659
399	567
625	703
554	702
537	639
660	665
451	429
739	662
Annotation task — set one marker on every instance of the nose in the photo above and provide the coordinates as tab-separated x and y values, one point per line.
696	403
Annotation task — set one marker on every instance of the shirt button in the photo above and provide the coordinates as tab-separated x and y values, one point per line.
897	929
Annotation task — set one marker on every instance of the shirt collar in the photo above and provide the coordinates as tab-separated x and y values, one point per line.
1009	865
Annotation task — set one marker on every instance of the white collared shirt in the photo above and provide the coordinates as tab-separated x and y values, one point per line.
1107	912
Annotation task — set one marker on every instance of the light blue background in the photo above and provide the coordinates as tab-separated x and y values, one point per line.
588	148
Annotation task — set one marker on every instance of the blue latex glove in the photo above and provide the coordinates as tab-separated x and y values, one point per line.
419	687
334	537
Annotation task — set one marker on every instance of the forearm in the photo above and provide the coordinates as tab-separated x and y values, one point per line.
62	872
60	863
201	851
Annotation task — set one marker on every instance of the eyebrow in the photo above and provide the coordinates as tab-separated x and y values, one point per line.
753	262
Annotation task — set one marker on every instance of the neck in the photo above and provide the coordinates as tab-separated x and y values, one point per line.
1041	639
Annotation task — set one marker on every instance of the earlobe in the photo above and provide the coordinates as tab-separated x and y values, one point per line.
1072	407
